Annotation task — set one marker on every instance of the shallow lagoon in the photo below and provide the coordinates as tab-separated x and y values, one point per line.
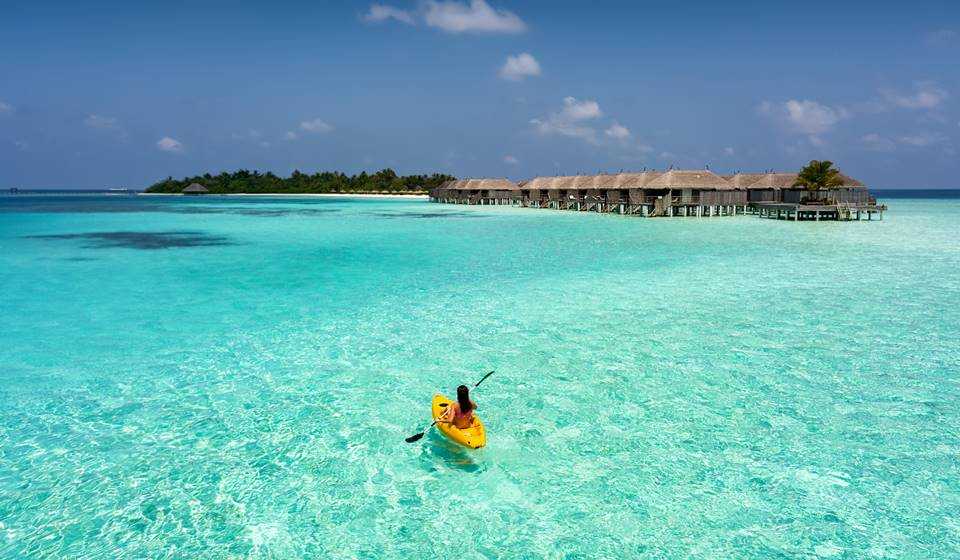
223	377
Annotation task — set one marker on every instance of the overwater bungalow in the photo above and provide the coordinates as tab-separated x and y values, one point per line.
477	191
768	187
674	192
696	193
622	193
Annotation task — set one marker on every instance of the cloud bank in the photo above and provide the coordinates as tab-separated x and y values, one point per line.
925	95
451	16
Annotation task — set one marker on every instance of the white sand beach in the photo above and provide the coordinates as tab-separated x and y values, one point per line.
301	195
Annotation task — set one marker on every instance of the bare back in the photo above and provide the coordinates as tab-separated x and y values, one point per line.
458	418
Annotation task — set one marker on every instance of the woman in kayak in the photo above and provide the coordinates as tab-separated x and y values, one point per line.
460	413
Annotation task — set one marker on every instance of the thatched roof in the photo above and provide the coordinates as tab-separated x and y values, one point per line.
743	180
674	179
849	181
601	181
699	179
636	180
589	181
195	188
543	183
480	185
774	181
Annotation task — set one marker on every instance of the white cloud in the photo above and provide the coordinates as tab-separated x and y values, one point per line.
578	119
565	129
167	144
813	118
102	122
805	117
510	160
926	95
459	17
569	121
21	145
922	140
877	143
291	135
519	67
729	151
315	125
5	108
574	110
617	131
381	12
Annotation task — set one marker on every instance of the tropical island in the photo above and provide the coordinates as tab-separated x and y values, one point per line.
385	181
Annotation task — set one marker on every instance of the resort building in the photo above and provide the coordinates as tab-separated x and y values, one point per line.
477	191
673	192
195	189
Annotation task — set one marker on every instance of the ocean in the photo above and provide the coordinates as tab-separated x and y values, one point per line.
221	377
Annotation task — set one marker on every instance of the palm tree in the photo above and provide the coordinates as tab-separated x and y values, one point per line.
818	175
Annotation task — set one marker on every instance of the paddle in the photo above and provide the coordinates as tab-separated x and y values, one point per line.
418	437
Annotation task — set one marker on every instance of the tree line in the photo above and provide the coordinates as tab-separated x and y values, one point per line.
245	181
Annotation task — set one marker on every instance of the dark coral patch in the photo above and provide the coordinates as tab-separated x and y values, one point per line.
143	240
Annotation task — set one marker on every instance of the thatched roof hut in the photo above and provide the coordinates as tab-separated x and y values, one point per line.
480	185
598	182
195	188
700	179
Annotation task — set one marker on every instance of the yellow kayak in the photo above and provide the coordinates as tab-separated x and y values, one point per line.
473	437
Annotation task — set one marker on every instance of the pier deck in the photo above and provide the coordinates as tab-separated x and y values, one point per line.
798	211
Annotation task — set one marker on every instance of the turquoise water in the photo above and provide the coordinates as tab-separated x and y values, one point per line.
234	378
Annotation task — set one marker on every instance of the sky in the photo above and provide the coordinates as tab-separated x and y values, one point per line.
101	94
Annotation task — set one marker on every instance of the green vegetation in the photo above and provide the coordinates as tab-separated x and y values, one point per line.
819	175
243	181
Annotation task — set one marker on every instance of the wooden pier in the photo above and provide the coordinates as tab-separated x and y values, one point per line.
816	212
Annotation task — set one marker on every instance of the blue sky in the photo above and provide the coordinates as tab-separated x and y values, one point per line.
96	94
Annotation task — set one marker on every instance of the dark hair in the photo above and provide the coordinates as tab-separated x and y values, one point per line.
463	399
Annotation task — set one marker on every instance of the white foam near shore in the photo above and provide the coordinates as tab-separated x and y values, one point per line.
298	195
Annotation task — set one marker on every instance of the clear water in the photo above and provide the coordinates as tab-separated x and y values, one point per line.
234	378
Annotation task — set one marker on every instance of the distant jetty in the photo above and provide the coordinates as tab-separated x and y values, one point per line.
671	193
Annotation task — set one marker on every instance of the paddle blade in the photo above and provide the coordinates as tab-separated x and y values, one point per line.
483	379
415	437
